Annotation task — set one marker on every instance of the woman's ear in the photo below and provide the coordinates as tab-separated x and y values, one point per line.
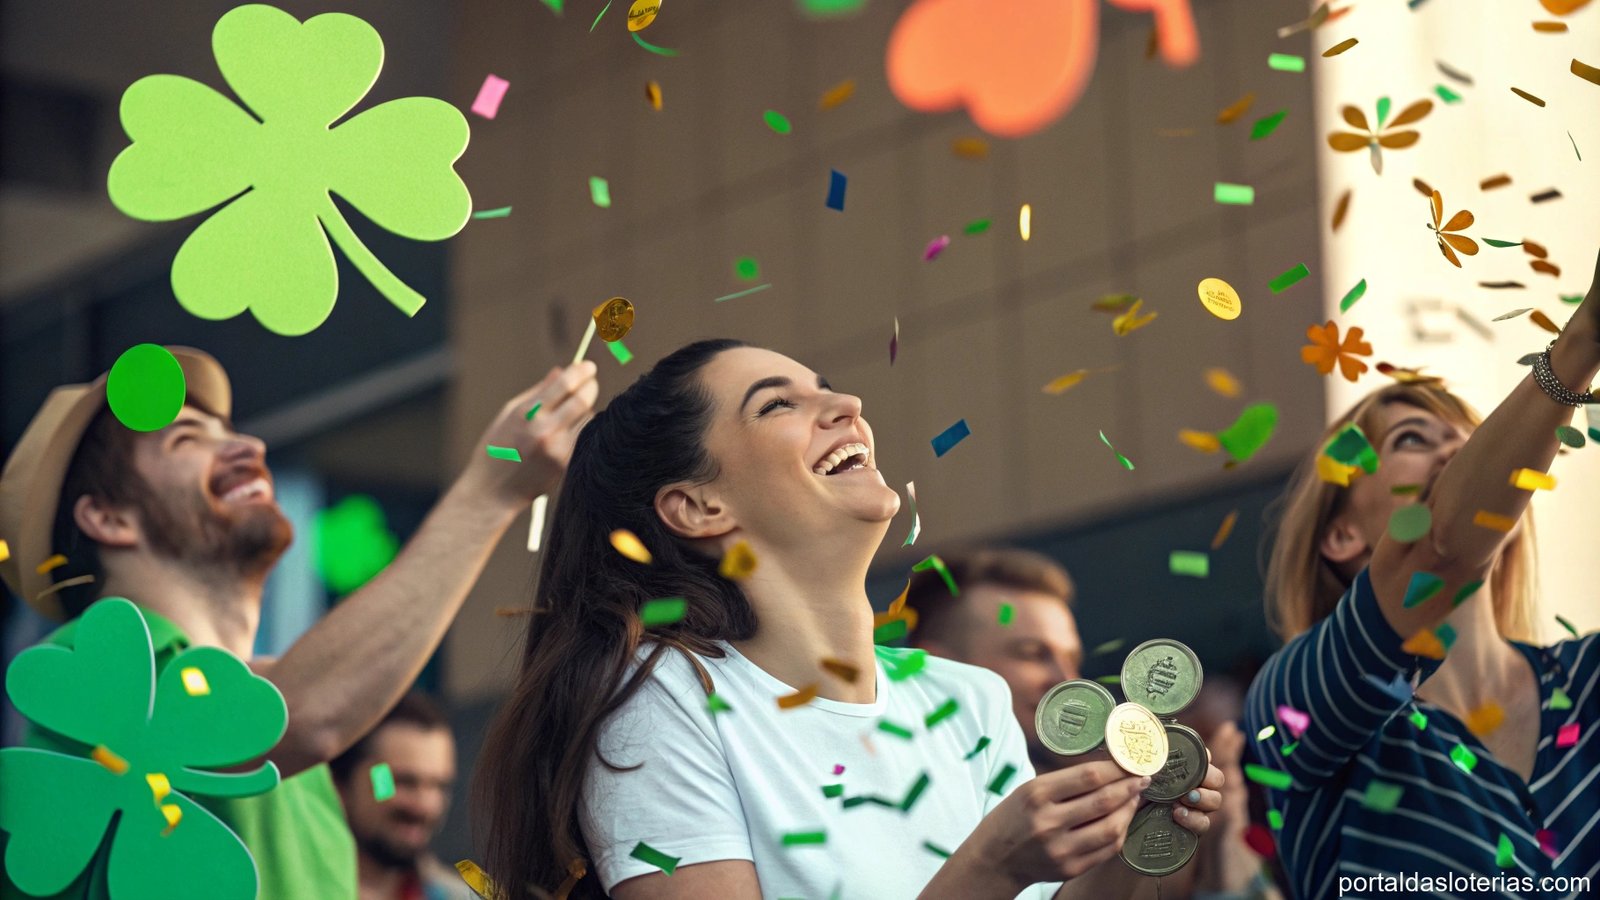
693	511
1342	542
105	524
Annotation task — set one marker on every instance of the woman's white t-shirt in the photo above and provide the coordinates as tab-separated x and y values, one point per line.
732	784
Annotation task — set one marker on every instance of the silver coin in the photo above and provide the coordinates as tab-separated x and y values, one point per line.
1161	675
1155	844
1185	767
1071	719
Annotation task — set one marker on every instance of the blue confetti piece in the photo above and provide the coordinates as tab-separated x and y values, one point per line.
950	437
836	185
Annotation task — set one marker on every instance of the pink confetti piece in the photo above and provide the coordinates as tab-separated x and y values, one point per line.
935	247
838	769
1547	842
1568	735
490	95
1294	720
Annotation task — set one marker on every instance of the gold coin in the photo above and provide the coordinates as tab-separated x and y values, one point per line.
1219	298
613	319
642	13
1137	739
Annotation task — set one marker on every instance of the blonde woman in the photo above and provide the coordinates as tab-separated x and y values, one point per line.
1387	780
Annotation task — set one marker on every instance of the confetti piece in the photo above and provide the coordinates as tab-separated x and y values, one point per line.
620	351
1424	586
173	813
1236	109
1501	285
5	551
1446	94
916	520
1311	23
1454	74
1249	432
1381	796
1006	613
509	454
476	879
1527	96
976	226
1485	719
1350	447
146	388
1266	732
1545	195
1340	47
1575	147
652	90
489	96
1189	563
654	857
1485	519
1567	625
1271	778
533	412
1543	321
1545	267
948	438
1286	62
1424	643
1113	303
935	247
838	769
1547	842
600	192
837	182
160	786
1130	321
840	670
1341	209
1559	699
1224	530
1266	125
382	782
804	838
746	268
1110	646
1354	294
541	504
1504	855
1566	434
1126	463
799	698
642	13
1025	220
715	704
1260	841
1222	381
1293	276
1563	7
892	630
1512	314
1065	382
1586	72
837	94
1550	28
105	757
1497	181
1294	721
1419	719
894	342
497	213
664	611
1109	679
945	711
970	148
194	681
936	850
899	731
832	791
659	51
1467	590
1532	480
982	743
1203	441
904	664
1567	735
1464	758
1409	524
1274	820
744	293
921	785
998	784
1233	194
936	564
777	121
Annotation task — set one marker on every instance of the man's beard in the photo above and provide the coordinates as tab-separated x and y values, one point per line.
386	853
245	541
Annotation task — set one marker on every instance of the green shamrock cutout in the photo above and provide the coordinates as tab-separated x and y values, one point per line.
266	249
105	693
354	543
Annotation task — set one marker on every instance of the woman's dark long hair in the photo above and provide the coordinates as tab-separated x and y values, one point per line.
585	628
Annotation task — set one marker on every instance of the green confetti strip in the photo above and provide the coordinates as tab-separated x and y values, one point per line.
665	611
1291	277
600	191
945	711
1424	586
1575	147
899	731
597	19
1272	778
935	563
916	792
649	854
620	351
1286	62
805	838
1501	244
499	213
1409	524
998	785
555	5
1288	748
831	791
982	743
509	454
1126	463
1110	646
977	226
1267	125
1274	820
1405	490
1250	432
777	121
1354	294
744	293
747	269
1233	194
935	849
533	412
1006	614
900	663
1504	855
715	704
1382	796
1464	758
1351	447
1266	732
1570	436
1109	679
1446	94
853	802
382	782
659	51
1560	700
1419	719
1190	563
1575	299
1467	590
1568	626
892	630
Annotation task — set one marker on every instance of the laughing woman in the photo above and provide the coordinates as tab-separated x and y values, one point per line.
1389	778
662	756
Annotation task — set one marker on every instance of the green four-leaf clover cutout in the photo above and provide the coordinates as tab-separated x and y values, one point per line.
273	169
155	740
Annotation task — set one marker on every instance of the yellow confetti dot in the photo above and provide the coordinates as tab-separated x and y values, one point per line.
5	551
1332	471
642	13
629	545
194	681
739	562
1223	382
160	787
54	562
1486	519
1025	222
173	815
1532	480
1485	719
103	755
1204	441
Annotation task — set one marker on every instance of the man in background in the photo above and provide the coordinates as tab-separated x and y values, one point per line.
395	811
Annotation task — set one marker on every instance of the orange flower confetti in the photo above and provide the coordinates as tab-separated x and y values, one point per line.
1449	243
1326	350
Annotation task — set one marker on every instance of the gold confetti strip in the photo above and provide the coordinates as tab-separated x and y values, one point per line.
1546	268
1485	519
1331	471
1485	719
173	815
63	585
652	95
160	787
1422	187
1543	321
103	755
840	669
1532	480
1586	72
837	94
54	562
628	544
1550	27
1065	382
194	681
970	148
1203	441
1527	96
1224	530
1340	47
1489	184
1223	382
1534	248
798	698
1237	109
1341	209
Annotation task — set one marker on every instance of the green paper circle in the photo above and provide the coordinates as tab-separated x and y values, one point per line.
1570	436
747	268
146	387
1410	523
777	121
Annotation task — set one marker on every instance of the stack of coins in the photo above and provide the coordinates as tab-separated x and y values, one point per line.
1160	678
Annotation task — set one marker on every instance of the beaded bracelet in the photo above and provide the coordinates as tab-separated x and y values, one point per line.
1552	386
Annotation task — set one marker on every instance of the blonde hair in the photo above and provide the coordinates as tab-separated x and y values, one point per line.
1303	587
